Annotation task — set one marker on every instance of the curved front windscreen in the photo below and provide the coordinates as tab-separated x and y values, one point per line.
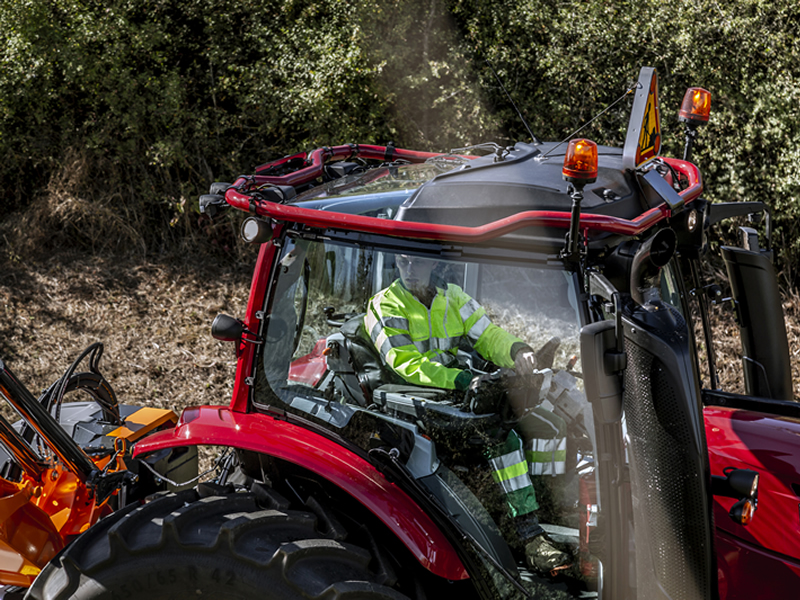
466	372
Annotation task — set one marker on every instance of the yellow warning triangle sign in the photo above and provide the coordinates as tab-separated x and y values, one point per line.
643	140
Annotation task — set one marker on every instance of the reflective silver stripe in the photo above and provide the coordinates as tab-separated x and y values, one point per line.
548	456
375	331
386	343
395	323
468	309
371	323
507	460
548	445
447	343
382	344
476	331
555	468
516	483
400	340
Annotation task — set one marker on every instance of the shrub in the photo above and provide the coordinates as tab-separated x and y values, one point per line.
160	97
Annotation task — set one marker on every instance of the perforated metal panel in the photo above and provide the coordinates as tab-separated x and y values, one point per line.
670	522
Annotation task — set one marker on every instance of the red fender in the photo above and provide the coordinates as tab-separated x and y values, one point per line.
219	426
769	545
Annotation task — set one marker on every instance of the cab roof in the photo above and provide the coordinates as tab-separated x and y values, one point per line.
527	178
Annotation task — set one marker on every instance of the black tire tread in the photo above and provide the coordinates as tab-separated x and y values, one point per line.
282	553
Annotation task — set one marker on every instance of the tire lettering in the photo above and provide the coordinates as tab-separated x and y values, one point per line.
223	577
155	580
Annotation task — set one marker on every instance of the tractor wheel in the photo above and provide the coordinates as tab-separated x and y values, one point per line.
219	546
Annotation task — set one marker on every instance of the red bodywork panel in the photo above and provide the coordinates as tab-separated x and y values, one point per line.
310	368
218	425
770	544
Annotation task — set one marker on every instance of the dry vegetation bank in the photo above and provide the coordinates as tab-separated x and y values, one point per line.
154	317
728	351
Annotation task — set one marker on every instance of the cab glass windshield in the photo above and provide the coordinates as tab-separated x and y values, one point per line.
467	372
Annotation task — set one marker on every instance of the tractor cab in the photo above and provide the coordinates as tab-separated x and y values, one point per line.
542	248
324	361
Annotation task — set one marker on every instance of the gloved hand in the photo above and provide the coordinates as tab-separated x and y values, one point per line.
485	393
525	362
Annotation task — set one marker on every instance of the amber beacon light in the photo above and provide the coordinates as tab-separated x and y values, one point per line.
580	162
696	106
580	168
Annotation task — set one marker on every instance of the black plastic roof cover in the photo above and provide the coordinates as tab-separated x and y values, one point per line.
486	190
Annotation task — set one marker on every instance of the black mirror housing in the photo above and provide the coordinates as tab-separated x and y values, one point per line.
227	329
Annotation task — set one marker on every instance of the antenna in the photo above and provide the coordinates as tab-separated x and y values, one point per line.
629	91
521	118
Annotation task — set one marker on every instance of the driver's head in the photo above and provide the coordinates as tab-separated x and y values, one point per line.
415	272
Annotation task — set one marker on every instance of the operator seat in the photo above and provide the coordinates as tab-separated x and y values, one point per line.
368	369
359	366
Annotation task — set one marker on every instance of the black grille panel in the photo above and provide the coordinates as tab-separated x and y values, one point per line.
668	492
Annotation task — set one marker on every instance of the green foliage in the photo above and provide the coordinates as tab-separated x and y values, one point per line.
567	61
160	97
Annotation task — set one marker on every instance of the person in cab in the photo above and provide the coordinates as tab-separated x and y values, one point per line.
418	325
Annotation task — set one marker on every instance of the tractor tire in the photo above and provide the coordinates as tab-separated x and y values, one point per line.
218	546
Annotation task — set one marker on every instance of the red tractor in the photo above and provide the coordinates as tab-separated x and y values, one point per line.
356	478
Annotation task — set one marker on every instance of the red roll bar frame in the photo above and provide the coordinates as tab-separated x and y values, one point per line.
241	196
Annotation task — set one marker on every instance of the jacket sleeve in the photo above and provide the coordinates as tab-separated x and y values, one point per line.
492	342
386	323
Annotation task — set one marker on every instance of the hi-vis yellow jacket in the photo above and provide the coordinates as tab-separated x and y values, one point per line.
420	344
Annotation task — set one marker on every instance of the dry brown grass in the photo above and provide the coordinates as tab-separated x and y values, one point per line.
153	316
76	210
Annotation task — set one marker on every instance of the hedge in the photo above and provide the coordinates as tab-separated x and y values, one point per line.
153	99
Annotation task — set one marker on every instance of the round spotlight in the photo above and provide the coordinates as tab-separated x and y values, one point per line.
256	231
692	220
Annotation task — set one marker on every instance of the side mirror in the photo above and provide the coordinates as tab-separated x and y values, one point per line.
212	204
227	329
